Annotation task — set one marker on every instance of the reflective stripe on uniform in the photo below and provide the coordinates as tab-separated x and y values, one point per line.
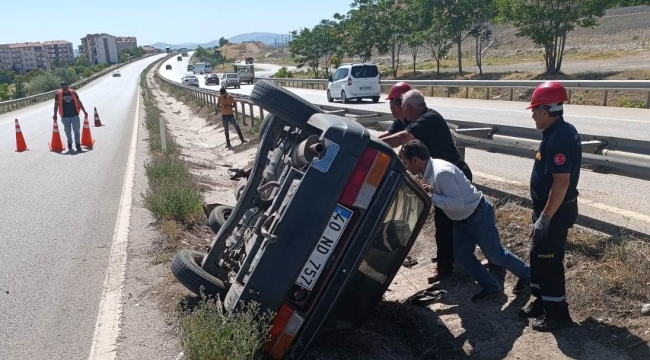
554	298
536	286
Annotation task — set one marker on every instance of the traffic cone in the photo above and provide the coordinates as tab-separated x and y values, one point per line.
56	145
87	139
98	122
20	140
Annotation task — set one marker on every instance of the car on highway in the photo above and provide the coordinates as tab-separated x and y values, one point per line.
179	58
190	67
184	53
246	72
117	73
326	217
190	80
230	80
168	67
212	79
354	81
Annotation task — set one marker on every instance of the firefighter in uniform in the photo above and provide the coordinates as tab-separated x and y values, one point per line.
553	189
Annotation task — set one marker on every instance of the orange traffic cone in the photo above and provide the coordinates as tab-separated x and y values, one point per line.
87	139
56	145
20	140
98	122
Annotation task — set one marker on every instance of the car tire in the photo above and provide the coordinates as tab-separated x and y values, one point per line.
375	99
282	103
187	270
239	188
218	217
329	97
344	98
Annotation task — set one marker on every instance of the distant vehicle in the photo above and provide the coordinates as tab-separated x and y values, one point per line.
116	73
249	60
246	72
211	79
179	58
168	67
230	79
190	67
190	80
168	49
354	81
202	68
184	53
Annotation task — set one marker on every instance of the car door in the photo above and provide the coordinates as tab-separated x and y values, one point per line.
334	92
341	81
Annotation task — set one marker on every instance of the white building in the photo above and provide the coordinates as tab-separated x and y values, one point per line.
100	48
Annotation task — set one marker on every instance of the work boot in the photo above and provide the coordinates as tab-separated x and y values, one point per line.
70	147
534	309
78	147
439	273
521	286
546	324
485	295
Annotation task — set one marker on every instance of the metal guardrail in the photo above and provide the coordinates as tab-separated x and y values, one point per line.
602	154
10	105
571	85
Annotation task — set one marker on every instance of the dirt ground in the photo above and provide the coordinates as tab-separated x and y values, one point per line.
450	327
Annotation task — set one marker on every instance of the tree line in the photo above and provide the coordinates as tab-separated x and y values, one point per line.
387	27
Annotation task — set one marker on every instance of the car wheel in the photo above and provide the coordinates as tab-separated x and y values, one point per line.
282	103
218	217
329	96
239	189
187	270
344	98
375	99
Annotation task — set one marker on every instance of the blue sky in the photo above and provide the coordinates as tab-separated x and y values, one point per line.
158	21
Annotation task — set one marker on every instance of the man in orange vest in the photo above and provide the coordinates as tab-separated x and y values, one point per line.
67	105
226	103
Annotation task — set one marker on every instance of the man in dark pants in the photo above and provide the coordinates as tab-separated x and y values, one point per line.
553	189
430	128
226	103
68	105
400	123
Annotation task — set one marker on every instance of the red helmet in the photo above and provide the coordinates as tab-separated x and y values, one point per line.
550	92
397	90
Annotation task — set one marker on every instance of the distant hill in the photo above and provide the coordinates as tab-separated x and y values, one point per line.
266	38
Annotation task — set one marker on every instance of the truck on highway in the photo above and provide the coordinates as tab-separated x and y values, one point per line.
202	68
326	217
246	72
249	60
168	49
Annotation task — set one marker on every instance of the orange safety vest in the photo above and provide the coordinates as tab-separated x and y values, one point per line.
74	99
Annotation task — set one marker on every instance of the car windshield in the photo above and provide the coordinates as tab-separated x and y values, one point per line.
232	76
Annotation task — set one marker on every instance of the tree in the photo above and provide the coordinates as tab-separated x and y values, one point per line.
418	22
481	34
7	76
4	92
223	41
327	37
547	22
304	49
20	90
360	30
437	38
392	23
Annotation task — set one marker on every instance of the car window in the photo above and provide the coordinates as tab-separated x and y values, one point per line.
337	74
365	71
344	73
232	76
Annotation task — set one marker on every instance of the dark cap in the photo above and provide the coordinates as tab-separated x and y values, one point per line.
63	83
222	90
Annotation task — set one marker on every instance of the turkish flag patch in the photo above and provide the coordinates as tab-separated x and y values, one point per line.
559	159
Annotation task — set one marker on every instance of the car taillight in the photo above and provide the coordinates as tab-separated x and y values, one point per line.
349	82
365	179
284	329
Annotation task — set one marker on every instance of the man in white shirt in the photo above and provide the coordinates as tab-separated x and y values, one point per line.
473	216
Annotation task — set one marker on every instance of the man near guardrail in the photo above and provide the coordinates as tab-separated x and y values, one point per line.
226	103
428	126
400	123
474	221
67	105
553	189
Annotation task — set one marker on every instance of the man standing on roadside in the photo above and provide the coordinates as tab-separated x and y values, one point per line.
226	103
400	123
67	105
428	126
474	221
553	189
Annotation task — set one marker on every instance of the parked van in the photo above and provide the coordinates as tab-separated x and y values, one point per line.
354	81
202	68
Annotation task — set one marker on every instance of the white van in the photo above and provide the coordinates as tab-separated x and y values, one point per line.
354	81
202	68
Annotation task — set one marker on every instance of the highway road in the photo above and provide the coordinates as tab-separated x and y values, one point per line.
609	198
57	222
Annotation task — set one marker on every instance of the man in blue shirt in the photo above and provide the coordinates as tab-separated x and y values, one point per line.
474	220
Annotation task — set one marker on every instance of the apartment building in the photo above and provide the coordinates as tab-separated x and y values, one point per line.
100	48
126	42
24	57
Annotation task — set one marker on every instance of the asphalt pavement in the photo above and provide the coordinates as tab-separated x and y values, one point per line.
609	198
57	221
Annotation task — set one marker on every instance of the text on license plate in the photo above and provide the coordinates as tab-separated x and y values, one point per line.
365	87
314	266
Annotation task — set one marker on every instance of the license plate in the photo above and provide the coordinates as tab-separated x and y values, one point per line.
328	240
365	87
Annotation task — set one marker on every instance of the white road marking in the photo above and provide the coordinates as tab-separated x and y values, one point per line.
107	327
581	200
